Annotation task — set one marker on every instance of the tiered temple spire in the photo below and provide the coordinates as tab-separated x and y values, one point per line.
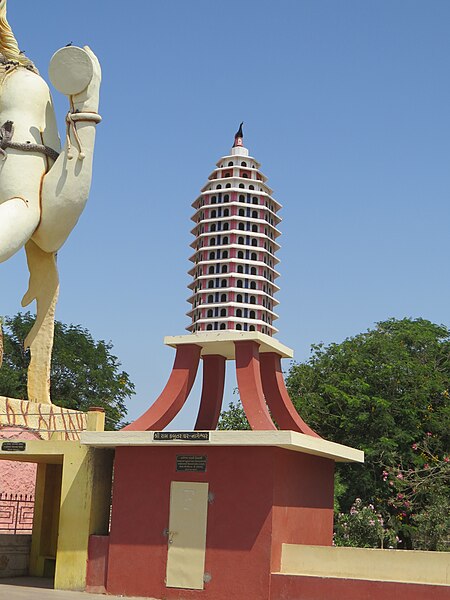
235	231
232	294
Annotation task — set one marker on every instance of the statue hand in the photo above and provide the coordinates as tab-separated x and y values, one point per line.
76	73
88	99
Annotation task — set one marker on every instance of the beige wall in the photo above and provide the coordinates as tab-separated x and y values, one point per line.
365	563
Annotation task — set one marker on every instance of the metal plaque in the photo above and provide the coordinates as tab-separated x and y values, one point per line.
184	436
193	463
13	446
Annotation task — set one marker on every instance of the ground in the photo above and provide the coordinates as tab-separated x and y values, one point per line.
32	588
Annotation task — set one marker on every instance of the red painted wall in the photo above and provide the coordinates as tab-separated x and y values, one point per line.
249	498
303	510
291	587
97	564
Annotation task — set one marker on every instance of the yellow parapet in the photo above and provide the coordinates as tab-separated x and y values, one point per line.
406	566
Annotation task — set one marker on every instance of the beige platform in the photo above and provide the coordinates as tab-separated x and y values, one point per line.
290	440
222	342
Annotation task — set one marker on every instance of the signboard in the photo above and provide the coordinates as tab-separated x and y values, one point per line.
13	446
184	436
193	463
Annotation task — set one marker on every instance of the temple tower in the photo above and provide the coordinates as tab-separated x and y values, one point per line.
236	233
233	302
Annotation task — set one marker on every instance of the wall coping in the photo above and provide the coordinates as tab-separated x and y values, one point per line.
402	566
289	440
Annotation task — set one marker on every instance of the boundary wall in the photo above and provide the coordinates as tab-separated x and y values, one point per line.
318	572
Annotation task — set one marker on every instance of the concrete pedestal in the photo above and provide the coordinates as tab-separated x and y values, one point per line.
263	489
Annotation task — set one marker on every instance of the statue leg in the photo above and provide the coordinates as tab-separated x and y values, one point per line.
44	288
212	392
174	395
19	217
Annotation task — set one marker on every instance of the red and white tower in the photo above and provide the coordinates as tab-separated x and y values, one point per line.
232	297
236	233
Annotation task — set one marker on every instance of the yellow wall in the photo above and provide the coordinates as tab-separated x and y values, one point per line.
76	481
84	511
365	563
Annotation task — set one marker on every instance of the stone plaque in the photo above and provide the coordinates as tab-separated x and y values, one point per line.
191	462
184	436
13	446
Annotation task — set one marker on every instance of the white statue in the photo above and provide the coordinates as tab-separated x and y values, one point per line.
43	188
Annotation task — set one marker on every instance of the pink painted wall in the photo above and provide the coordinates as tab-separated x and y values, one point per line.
17	477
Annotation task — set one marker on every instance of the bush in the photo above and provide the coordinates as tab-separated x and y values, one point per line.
363	527
419	498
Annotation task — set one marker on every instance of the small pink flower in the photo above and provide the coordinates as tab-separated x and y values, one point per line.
371	522
400	496
426	466
429	434
399	476
414	446
446	459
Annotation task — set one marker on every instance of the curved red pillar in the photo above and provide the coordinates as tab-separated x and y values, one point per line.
175	393
250	386
212	391
277	396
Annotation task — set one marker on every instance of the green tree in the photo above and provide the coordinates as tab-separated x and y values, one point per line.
84	372
380	391
233	418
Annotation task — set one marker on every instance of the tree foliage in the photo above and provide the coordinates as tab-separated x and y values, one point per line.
84	372
419	496
233	418
380	391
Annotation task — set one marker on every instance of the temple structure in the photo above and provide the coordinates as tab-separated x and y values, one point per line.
236	233
232	298
214	515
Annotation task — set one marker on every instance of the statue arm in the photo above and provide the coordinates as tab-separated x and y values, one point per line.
66	186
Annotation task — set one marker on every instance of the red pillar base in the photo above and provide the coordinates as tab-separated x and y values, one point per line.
277	396
174	395
212	392
250	386
259	376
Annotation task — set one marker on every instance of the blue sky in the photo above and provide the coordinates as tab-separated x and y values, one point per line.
347	106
